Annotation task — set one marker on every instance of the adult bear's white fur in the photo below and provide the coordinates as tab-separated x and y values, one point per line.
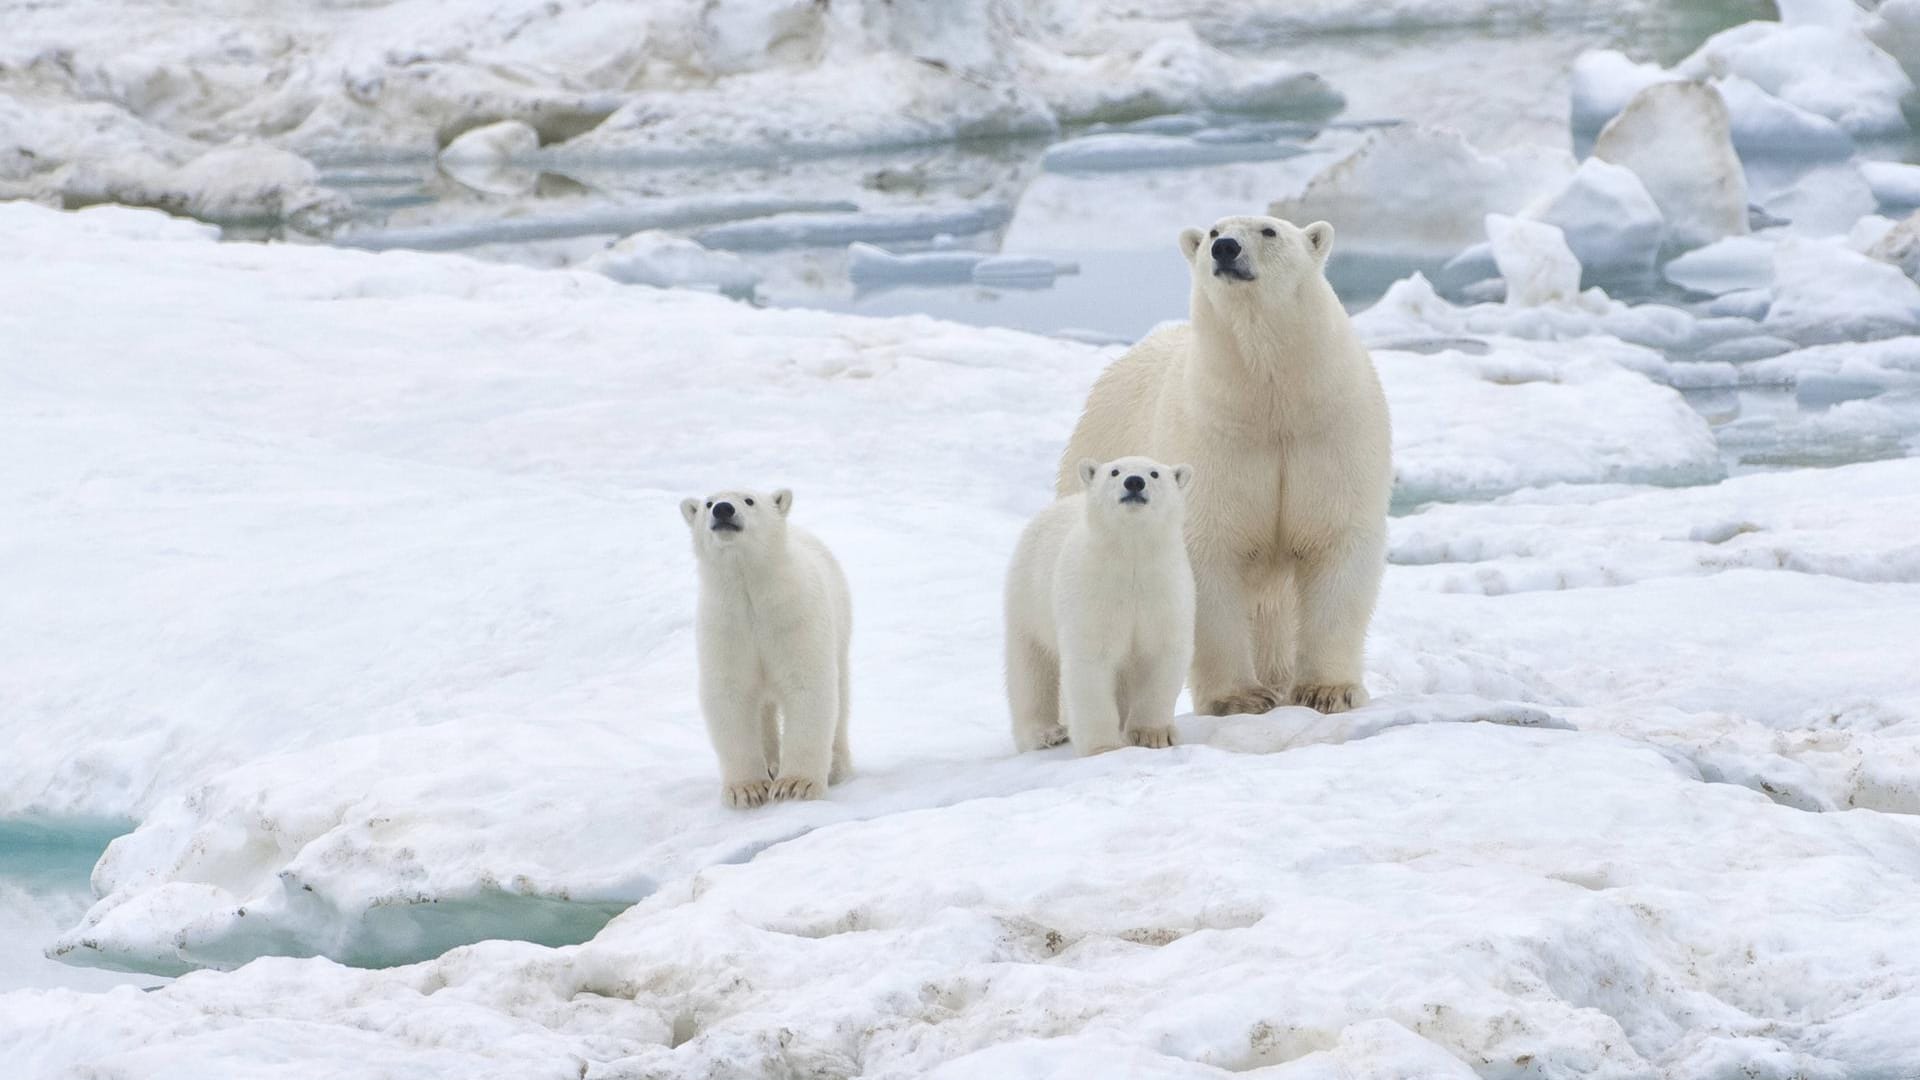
773	626
1100	610
1271	396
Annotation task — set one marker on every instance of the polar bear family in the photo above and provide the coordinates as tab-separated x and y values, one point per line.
1221	522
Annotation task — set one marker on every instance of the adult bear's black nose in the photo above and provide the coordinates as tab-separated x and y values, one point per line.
723	511
1135	483
1226	249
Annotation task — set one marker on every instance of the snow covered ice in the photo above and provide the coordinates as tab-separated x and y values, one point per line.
346	592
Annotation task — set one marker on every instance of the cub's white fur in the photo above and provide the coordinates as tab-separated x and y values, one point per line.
773	626
1100	610
1271	396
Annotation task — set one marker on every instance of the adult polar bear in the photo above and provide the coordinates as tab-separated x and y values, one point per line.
1270	395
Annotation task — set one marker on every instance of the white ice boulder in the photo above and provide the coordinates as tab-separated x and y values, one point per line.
664	260
1763	125
1895	27
1534	259
491	158
1724	266
1675	137
1421	191
1611	224
1824	292
1826	201
252	181
1604	80
492	144
1821	61
1901	246
1895	184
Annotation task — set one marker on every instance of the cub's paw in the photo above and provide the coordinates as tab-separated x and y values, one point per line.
1330	697
746	793
1153	738
797	787
1250	701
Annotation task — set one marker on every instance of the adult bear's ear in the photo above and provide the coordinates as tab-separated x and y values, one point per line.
1182	476
689	509
1190	242
1319	240
1088	467
783	501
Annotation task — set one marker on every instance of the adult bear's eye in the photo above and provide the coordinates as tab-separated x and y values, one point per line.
749	502
1268	232
709	504
1213	232
1116	472
1155	475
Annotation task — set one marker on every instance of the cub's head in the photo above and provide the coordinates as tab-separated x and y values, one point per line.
737	524
1135	489
1243	257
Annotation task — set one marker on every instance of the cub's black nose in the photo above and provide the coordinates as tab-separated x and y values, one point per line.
1226	249
1135	483
723	511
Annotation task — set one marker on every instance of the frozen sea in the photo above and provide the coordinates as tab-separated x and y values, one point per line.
347	722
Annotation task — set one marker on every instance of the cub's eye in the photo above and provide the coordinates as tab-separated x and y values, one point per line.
1213	232
749	502
709	504
1116	472
1268	232
1155	475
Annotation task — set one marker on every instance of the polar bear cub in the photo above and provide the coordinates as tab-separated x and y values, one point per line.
773	626
1100	611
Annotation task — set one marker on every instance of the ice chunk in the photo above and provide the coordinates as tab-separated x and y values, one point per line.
663	260
871	265
1823	292
1764	126
1127	150
1896	185
1825	65
1534	259
1826	201
1724	266
1743	303
1901	246
795	230
608	221
1419	190
1674	136
1611	223
492	144
1020	271
1742	350
1895	27
1603	81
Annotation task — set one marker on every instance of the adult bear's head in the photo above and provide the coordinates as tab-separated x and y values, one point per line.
1245	258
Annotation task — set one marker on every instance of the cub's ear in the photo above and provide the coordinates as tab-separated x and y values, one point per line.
783	501
689	509
1319	240
1190	241
1182	476
1087	468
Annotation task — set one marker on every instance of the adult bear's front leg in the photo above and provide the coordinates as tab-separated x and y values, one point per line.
1338	588
1223	679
